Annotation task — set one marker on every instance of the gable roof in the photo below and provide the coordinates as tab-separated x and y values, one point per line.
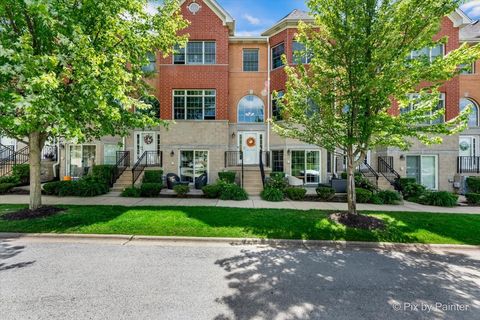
220	12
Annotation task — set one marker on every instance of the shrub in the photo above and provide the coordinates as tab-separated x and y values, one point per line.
413	191
130	192
90	188
153	176
473	184
473	198
103	173
439	199
402	182
376	199
67	188
272	194
6	187
52	188
277	181
389	196
9	179
325	193
296	194
212	191
150	189
363	195
22	171
227	176
344	175
230	191
181	189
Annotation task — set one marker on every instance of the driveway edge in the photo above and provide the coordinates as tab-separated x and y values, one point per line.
240	241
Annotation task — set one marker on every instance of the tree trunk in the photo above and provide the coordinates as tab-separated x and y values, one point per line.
351	196
35	150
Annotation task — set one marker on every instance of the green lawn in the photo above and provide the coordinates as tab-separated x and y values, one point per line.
250	223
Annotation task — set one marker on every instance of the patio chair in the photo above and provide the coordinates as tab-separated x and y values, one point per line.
201	181
173	180
294	181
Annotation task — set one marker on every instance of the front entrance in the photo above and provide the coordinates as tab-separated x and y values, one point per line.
467	146
251	143
147	141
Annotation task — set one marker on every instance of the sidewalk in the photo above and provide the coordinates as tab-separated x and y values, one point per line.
113	198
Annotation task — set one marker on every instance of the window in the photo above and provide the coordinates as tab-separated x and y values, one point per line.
329	162
250	60
151	66
194	104
277	53
193	164
250	109
430	53
424	170
196	52
277	161
300	53
473	119
276	109
467	68
110	153
306	166
81	159
415	100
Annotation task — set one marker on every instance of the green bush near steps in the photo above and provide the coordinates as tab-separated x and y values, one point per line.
149	190
325	193
473	184
389	197
10	179
153	176
439	199
363	195
225	191
6	187
181	190
212	191
103	172
131	192
22	172
296	194
227	176
473	198
272	194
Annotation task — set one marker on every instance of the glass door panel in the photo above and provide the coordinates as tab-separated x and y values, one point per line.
313	167
413	168
75	161
429	172
201	163
298	164
186	166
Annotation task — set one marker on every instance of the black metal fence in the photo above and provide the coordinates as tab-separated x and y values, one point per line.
468	165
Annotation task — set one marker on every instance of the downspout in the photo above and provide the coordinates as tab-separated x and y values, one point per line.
269	100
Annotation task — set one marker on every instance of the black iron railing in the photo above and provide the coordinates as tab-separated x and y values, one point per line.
367	171
50	152
10	158
264	161
235	159
468	164
385	168
147	159
122	163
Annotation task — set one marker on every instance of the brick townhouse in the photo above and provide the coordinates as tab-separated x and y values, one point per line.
218	90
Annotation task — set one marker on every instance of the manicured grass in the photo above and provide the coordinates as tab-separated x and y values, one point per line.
259	223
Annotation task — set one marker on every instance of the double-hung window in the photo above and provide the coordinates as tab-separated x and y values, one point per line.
196	52
194	104
467	68
151	66
430	53
414	100
300	53
277	53
250	60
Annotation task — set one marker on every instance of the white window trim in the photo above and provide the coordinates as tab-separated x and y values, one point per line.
271	53
194	151
305	163
203	54
185	103
430	52
68	158
475	143
305	59
243	59
472	71
238	110
436	167
443	98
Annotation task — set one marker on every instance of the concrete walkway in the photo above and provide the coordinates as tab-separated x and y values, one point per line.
113	198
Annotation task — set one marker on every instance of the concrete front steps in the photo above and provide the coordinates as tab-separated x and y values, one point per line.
252	180
125	181
384	184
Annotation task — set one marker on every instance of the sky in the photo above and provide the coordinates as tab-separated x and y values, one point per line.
255	16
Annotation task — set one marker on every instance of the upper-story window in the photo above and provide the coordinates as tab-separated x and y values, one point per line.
467	68
277	53
250	60
430	53
151	66
196	52
473	118
194	104
250	109
415	100
300	53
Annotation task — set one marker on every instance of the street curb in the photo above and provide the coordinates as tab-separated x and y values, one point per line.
242	241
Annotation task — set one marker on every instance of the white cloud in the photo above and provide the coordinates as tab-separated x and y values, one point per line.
251	19
471	5
252	33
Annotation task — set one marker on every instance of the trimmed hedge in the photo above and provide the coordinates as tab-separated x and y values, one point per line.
473	198
6	187
227	176
131	192
88	186
473	184
22	171
52	188
9	179
413	191
104	172
402	182
296	194
212	191
439	199
153	176
149	190
231	191
272	194
389	197
181	189
363	195
325	193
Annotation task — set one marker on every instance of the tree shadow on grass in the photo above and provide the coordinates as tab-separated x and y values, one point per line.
7	251
334	283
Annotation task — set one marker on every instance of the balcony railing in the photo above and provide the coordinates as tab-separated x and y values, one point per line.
468	165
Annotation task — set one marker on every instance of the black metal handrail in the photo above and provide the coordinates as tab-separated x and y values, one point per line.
468	164
365	165
10	158
385	167
264	164
235	159
121	164
147	159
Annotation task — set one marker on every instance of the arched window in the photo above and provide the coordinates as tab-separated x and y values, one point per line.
250	109
473	119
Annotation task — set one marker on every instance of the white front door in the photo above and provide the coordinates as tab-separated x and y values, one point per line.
467	146
146	141
250	144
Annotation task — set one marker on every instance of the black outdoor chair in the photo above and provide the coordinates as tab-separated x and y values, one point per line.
173	180
201	181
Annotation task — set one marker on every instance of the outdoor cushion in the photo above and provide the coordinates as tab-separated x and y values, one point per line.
172	180
201	181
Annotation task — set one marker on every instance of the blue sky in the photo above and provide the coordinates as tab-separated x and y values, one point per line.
255	16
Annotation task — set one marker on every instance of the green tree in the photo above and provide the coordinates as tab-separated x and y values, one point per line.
73	69
361	63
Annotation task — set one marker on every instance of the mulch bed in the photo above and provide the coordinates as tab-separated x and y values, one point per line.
32	214
358	221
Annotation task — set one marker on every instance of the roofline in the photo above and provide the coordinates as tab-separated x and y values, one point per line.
285	24
459	18
220	12
238	39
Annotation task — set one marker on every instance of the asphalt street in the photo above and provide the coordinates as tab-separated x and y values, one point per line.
118	279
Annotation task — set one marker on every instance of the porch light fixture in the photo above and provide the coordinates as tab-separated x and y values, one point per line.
172	153
233	135
402	157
